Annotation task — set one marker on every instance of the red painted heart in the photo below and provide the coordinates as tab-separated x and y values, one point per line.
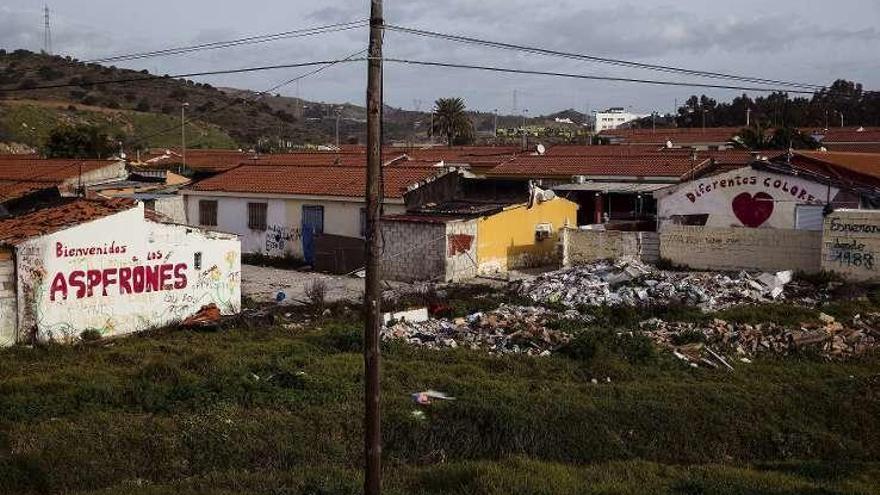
753	211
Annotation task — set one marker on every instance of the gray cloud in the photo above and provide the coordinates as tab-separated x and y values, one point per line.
808	42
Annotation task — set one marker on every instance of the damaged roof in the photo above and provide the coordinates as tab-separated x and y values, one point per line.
20	176
45	221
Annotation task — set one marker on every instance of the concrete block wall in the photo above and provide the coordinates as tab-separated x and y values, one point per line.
742	248
413	251
583	246
851	244
461	250
8	300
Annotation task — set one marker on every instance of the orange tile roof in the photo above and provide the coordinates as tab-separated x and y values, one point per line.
848	134
16	230
14	189
679	136
564	167
47	170
340	181
861	163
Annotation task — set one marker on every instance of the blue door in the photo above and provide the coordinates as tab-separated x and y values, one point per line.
312	224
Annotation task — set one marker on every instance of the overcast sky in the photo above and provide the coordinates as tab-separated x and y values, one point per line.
811	41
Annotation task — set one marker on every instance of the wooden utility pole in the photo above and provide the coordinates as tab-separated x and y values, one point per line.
372	290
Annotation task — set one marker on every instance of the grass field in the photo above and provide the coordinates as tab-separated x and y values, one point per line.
277	408
31	123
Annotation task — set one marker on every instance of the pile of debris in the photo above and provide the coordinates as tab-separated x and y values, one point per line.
632	283
705	343
508	329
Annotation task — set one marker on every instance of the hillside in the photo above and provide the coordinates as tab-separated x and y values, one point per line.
147	114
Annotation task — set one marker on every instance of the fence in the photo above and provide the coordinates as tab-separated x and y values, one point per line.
583	246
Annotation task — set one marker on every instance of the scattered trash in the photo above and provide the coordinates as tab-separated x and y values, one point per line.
829	339
414	315
508	329
629	282
280	296
417	414
428	396
207	317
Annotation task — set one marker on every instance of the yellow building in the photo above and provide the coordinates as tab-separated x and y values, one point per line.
521	236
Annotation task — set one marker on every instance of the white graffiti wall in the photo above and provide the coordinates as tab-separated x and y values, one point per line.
745	197
122	274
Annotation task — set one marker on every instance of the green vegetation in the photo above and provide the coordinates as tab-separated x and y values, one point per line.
276	408
451	121
32	124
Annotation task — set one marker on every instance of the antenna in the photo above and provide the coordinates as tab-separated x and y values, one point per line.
47	32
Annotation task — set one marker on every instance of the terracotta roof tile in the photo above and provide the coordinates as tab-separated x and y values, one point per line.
312	180
16	230
680	136
633	165
861	163
48	170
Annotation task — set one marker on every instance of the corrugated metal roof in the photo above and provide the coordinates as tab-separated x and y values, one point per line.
614	187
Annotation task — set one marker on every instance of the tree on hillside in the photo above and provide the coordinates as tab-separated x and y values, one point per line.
451	121
80	141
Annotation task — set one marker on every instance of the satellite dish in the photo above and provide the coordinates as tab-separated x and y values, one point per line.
669	143
547	195
541	149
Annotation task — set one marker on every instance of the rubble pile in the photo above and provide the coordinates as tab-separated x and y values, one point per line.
508	329
697	343
633	283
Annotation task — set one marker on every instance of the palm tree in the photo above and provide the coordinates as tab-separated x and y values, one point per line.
450	120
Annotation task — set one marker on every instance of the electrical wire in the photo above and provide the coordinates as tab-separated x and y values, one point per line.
250	40
594	58
594	78
179	76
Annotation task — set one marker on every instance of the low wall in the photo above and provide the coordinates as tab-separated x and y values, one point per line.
583	246
8	301
851	244
413	251
742	248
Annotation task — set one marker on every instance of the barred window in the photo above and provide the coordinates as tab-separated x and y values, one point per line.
257	216
208	212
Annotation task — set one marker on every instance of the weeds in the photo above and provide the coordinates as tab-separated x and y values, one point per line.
316	293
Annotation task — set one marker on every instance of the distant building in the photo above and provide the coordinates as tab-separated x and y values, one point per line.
615	117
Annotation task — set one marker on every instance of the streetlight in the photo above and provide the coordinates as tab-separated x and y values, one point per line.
523	127
496	123
183	134
704	120
338	114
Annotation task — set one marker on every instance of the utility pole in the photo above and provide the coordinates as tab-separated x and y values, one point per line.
183	135
653	122
524	139
496	126
704	120
338	114
47	32
372	289
431	132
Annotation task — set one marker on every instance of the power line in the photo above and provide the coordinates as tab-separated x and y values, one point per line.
593	58
254	97
594	78
179	76
250	40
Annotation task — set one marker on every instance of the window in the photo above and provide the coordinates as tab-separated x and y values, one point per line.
150	204
313	218
808	217
363	222
257	216
208	212
197	260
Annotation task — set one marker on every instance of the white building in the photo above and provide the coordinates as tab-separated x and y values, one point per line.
105	265
277	209
615	117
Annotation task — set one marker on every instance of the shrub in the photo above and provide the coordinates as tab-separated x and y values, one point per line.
316	293
27	84
90	335
143	105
